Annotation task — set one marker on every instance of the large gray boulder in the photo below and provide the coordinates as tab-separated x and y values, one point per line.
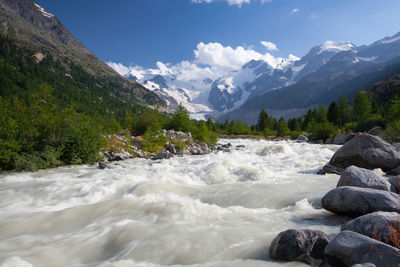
299	245
366	151
382	226
350	248
355	201
341	139
360	177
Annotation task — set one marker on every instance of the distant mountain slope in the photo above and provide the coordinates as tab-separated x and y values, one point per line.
32	27
345	73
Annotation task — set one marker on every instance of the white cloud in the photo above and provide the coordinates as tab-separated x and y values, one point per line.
269	45
231	2
295	10
211	60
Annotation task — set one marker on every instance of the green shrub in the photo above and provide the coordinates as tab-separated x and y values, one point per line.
370	123
154	139
393	131
180	145
322	131
202	134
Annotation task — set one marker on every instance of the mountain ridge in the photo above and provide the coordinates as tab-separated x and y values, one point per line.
31	26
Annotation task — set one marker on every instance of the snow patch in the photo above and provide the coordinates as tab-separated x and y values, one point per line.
298	68
365	59
44	12
388	41
331	46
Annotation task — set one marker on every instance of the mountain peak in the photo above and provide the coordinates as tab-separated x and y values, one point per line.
333	46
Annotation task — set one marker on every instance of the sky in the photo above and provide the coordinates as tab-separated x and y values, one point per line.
218	35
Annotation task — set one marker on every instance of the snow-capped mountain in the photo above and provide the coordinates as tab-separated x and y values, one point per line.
284	84
191	94
327	72
258	77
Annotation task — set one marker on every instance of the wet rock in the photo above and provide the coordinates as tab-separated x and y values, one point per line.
341	139
355	201
350	248
123	155
330	169
163	155
104	165
366	151
199	149
299	245
360	177
328	141
302	139
382	226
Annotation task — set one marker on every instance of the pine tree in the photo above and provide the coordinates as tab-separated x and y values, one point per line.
333	113
362	106
262	120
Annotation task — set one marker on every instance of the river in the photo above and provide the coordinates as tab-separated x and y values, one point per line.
221	209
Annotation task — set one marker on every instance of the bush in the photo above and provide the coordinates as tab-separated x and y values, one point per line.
370	123
180	145
154	139
393	132
202	134
322	131
81	138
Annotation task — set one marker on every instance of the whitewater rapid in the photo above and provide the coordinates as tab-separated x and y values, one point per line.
220	210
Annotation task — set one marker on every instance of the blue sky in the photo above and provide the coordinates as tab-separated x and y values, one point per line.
143	32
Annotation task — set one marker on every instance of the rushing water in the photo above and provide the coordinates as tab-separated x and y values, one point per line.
221	209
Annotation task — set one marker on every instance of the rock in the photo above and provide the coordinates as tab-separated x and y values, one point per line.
123	155
382	226
171	148
199	149
395	182
330	169
350	248
341	139
328	141
364	265
375	131
103	165
396	145
360	177
302	139
355	201
395	171
299	245
163	155
366	151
